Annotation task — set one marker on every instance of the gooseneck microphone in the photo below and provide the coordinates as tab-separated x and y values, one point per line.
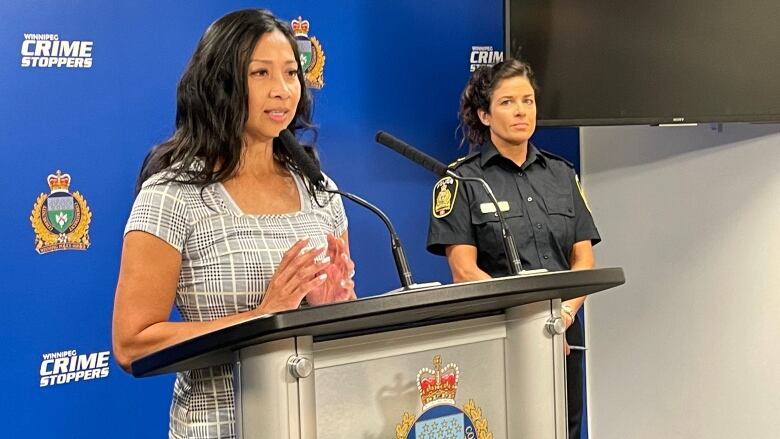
411	153
312	172
440	169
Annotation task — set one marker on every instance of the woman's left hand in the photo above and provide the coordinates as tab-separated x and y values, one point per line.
339	285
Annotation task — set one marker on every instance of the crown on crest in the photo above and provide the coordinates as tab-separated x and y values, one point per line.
439	382
300	26
59	182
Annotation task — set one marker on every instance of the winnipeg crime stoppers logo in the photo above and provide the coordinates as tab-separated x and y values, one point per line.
312	56
61	219
69	366
482	56
48	50
440	417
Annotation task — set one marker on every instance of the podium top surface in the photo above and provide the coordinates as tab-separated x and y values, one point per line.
417	307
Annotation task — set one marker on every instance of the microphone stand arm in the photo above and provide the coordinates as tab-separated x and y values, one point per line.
513	258
401	262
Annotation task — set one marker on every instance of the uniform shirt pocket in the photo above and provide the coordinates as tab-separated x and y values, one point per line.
488	236
560	209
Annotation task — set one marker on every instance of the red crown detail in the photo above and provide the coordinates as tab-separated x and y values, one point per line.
59	182
300	26
438	383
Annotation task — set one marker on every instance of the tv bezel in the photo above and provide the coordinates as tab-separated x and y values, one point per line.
616	121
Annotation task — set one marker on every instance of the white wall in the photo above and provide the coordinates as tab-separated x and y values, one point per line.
690	346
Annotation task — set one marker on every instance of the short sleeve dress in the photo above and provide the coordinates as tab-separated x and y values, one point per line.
228	259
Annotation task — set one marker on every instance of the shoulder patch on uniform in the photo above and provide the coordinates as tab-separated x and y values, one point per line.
444	194
582	192
556	157
464	159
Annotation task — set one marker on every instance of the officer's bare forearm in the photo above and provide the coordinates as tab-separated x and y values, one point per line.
581	258
466	274
463	263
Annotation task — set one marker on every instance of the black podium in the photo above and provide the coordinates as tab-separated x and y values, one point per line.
351	369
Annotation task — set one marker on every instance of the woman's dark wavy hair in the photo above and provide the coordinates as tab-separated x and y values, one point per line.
212	104
478	93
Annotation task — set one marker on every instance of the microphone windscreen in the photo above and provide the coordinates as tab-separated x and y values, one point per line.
301	158
411	153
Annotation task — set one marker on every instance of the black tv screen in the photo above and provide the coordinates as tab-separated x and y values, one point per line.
620	62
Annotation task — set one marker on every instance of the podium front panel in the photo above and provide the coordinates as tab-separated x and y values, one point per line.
509	371
366	396
509	368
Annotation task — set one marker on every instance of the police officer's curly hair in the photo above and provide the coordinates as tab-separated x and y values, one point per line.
478	92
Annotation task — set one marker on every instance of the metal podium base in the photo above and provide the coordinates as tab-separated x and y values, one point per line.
351	369
509	366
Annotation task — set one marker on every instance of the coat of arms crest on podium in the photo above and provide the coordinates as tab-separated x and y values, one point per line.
440	418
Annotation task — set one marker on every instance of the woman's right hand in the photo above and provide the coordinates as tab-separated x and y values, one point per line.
296	275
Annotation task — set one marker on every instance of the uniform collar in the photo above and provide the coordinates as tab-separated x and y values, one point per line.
488	152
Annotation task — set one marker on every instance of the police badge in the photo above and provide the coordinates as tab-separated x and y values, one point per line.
440	418
61	219
444	193
312	56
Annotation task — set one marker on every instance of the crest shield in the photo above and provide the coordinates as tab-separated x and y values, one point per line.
60	211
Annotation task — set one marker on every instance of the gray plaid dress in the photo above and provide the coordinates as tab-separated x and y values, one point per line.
228	259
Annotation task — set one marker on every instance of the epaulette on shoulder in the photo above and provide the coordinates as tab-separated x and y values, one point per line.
462	160
556	157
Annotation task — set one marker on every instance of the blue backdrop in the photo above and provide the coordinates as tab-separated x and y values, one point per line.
394	65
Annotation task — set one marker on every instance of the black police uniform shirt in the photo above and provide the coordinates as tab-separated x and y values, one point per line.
541	200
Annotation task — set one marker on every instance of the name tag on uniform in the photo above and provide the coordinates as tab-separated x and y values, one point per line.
491	208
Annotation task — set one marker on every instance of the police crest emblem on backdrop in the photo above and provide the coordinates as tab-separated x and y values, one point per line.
60	219
312	55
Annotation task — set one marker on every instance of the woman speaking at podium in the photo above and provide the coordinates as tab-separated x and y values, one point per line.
224	225
538	193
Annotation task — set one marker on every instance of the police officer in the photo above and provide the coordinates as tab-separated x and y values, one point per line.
538	193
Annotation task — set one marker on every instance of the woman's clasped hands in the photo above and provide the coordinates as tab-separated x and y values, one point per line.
300	275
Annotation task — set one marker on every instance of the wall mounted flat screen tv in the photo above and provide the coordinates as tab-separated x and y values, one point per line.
622	62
